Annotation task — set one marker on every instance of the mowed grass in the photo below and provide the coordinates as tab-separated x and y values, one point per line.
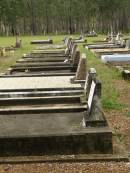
105	74
11	58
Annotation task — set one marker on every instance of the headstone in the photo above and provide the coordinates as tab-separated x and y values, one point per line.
94	114
120	68
126	74
128	44
82	68
66	40
2	52
112	40
73	52
117	39
76	58
69	46
123	43
18	43
90	76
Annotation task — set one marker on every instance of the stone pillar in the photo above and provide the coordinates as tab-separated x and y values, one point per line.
82	68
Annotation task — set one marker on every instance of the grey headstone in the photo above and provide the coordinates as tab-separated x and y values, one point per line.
128	44
82	68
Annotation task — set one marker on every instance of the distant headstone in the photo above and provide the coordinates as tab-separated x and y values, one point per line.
2	51
73	52
18	43
126	74
76	58
128	44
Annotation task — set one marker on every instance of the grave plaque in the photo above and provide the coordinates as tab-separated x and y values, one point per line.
91	94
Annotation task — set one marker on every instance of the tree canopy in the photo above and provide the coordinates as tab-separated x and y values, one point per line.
63	16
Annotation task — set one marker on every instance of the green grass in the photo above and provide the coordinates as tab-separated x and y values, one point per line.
112	104
6	62
128	114
129	155
106	75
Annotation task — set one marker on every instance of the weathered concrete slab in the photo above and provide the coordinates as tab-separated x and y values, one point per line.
50	51
41	59
33	125
43	108
34	74
38	100
100	41
80	41
45	55
116	58
54	133
44	70
38	64
49	41
48	47
37	82
99	52
32	94
104	46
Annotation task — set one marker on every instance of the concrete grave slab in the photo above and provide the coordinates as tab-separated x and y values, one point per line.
37	82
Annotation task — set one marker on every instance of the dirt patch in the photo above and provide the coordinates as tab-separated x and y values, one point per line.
124	91
119	121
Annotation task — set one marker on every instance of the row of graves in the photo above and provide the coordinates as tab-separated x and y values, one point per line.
114	51
50	109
